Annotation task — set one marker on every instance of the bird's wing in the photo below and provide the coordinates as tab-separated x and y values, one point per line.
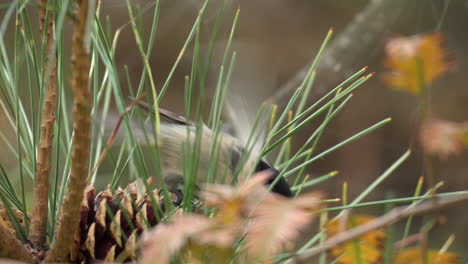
243	124
167	115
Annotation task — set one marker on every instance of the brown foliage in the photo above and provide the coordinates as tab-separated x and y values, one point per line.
266	221
444	138
367	247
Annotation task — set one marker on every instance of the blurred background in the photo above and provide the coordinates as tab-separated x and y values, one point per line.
277	39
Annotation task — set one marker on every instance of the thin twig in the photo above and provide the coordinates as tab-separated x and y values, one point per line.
407	241
37	231
350	47
69	214
391	217
12	248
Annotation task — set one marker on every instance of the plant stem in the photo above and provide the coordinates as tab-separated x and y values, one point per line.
70	210
37	231
425	116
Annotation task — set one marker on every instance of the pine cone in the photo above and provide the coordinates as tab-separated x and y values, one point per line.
110	223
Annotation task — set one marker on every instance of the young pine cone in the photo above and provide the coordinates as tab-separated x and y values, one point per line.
110	223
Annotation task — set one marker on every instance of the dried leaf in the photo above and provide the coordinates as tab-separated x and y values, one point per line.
219	233
165	240
444	138
415	62
196	254
268	220
348	253
277	222
254	183
414	256
238	200
308	201
369	245
215	194
193	236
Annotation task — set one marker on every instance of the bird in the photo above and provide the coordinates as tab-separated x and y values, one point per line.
231	162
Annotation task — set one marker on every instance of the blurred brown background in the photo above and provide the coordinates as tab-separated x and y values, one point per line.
276	39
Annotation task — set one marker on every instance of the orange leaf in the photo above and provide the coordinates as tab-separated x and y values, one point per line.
237	201
369	245
347	253
415	62
268	222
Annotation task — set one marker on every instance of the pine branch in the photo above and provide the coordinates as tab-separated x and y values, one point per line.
391	217
37	231
69	214
12	248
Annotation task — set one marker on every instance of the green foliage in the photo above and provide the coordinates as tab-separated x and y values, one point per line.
22	82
